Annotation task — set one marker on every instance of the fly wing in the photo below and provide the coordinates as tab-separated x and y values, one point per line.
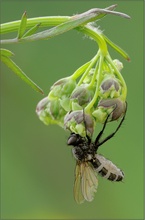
79	198
89	181
86	182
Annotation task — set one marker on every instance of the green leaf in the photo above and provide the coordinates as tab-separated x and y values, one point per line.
32	30
22	27
6	53
73	22
65	23
20	73
116	47
45	22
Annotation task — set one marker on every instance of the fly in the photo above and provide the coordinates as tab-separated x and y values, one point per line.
89	163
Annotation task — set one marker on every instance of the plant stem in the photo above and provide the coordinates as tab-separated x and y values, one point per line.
118	74
116	47
45	22
93	61
92	32
90	105
80	70
91	84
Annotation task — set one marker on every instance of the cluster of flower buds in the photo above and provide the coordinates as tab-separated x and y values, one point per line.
79	105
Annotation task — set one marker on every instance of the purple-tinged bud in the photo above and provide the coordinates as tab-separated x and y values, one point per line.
117	104
108	83
62	88
106	106
41	105
50	111
110	87
79	123
83	94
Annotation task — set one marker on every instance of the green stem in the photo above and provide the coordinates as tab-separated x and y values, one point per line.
80	70
99	70
10	41
59	20
73	22
118	74
93	33
56	20
94	77
45	22
92	63
108	67
116	47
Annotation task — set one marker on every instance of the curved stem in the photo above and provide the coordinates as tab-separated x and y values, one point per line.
90	105
80	70
118	74
10	41
116	47
93	61
108	66
94	76
95	14
45	22
93	33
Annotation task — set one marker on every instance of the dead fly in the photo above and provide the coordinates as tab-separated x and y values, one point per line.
89	163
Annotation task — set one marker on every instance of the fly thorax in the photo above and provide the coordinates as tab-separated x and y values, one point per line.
80	153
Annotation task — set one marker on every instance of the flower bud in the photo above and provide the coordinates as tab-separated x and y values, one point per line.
117	104
41	105
106	106
62	88
110	87
79	123
89	76
82	94
65	104
108	83
50	111
100	115
118	64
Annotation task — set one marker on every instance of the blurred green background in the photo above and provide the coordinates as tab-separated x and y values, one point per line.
37	167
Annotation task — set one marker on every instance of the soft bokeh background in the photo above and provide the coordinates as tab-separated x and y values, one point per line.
37	172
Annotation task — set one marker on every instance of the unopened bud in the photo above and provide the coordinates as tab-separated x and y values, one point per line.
41	105
79	123
82	94
50	111
62	88
117	104
106	106
110	87
118	64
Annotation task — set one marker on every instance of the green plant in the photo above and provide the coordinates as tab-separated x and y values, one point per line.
94	89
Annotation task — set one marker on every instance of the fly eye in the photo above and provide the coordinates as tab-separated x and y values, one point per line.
72	140
75	139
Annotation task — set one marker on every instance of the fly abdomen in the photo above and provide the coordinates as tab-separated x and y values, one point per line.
107	169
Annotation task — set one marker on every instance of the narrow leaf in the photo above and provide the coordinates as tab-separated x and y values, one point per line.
110	8
22	27
116	47
6	53
73	22
45	22
20	73
32	30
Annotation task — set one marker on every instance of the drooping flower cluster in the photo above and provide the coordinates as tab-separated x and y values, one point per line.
85	98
